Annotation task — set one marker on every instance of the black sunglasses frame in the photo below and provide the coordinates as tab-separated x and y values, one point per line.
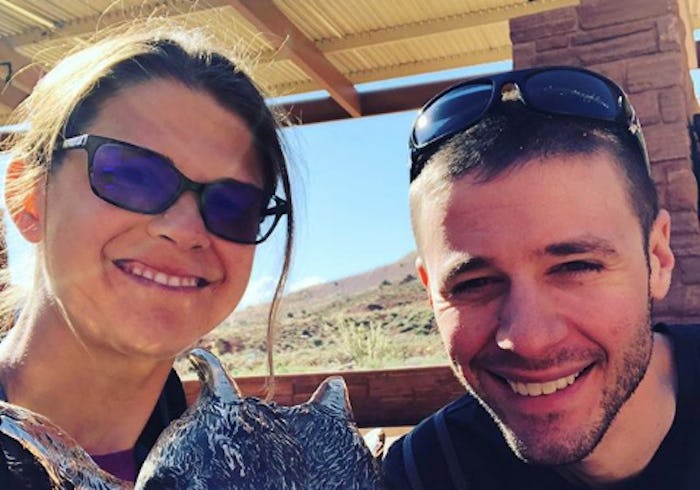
625	115
90	143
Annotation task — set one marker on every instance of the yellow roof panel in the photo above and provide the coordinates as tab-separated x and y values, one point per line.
299	45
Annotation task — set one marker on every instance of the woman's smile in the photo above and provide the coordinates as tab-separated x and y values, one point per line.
153	275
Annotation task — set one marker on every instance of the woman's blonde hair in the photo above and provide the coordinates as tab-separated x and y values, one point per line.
69	97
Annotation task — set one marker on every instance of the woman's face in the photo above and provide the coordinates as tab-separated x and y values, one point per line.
148	285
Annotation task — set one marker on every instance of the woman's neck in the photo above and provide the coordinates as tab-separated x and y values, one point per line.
102	399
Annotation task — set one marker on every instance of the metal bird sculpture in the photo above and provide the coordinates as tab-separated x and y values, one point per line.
229	441
66	465
335	453
222	441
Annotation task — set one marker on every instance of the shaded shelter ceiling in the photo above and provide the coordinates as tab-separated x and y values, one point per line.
301	45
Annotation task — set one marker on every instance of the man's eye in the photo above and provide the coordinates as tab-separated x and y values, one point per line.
476	285
578	266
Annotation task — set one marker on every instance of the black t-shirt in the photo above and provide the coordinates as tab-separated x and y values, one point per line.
19	469
460	447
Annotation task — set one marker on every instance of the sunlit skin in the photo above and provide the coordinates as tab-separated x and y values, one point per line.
540	286
112	334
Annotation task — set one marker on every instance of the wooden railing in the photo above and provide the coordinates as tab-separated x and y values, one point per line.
379	398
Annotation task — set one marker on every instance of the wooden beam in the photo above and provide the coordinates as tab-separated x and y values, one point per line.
414	68
375	102
439	26
288	41
420	67
11	96
25	74
286	37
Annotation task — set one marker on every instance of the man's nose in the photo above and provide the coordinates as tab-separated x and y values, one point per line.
529	324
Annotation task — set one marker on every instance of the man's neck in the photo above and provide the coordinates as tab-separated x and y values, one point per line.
638	429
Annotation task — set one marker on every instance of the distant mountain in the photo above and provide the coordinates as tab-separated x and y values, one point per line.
378	318
402	269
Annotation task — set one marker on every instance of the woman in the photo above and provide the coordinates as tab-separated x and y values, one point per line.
147	177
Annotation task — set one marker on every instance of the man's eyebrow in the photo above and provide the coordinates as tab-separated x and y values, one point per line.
468	265
581	246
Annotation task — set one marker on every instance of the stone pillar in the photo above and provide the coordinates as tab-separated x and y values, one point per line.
648	49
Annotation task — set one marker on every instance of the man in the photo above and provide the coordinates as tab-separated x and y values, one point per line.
542	247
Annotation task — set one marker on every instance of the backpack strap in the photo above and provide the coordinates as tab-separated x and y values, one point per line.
448	454
409	462
448	451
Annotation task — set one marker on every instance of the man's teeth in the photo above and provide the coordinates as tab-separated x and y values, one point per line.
164	279
547	388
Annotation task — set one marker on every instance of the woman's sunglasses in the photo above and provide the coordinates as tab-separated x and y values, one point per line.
143	181
561	91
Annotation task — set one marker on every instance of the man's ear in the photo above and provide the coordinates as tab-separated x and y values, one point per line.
661	259
423	276
26	206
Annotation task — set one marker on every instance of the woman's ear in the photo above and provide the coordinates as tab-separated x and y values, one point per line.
26	205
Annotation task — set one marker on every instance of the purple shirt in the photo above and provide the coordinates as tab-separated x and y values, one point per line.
120	464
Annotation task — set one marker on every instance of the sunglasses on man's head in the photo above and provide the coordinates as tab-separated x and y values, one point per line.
143	181
560	91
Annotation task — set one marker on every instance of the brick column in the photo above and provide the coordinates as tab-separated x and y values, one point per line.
648	49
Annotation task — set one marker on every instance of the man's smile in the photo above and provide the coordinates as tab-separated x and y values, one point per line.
544	388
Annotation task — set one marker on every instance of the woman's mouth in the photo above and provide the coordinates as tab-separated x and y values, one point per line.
159	277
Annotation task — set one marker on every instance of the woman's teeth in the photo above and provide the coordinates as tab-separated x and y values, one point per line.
163	278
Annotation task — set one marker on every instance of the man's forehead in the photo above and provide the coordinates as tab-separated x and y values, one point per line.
557	191
442	181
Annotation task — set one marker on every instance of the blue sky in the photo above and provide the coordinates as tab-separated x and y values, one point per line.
351	183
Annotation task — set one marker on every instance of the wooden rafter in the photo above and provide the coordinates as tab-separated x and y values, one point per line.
374	102
413	68
23	77
285	40
24	73
11	96
438	26
286	37
262	14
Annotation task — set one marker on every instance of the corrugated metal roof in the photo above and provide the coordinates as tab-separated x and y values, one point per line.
302	45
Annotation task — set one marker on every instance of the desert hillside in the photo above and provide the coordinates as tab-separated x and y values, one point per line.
376	319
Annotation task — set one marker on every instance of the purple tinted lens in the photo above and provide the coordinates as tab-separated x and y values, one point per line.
136	180
233	210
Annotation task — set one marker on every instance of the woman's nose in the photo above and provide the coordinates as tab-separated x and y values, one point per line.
182	224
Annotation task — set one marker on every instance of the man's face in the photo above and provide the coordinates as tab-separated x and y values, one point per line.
541	291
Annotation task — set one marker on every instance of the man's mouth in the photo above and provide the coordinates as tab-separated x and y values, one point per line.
160	277
545	388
